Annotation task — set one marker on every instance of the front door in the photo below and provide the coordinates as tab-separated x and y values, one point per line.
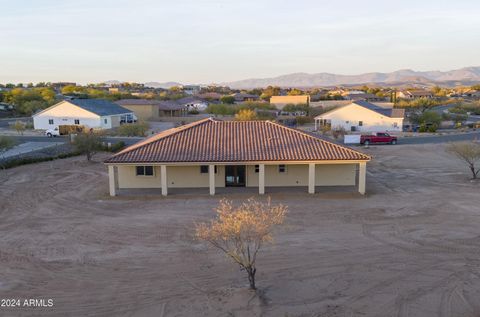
235	176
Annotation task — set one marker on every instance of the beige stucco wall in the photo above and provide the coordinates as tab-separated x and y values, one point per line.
177	177
190	176
127	178
143	112
335	175
281	101
297	175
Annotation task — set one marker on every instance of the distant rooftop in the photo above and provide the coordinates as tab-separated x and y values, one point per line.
99	106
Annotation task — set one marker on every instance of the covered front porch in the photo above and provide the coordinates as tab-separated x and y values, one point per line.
222	178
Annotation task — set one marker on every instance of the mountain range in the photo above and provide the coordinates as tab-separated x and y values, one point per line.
406	77
466	75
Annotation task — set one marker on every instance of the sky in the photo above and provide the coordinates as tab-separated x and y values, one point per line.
215	41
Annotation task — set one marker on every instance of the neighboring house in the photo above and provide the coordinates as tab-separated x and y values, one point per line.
360	95
361	116
243	97
414	94
90	113
148	109
281	101
192	103
171	108
210	96
472	93
215	154
191	89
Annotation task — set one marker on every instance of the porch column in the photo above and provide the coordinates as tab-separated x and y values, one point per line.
311	178
316	125
211	179
163	179
261	179
112	180
362	173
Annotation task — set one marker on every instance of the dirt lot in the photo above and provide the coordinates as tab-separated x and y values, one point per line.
410	248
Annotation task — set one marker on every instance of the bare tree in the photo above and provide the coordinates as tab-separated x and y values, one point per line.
87	143
19	127
469	152
241	231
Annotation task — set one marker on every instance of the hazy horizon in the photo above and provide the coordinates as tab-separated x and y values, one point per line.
220	41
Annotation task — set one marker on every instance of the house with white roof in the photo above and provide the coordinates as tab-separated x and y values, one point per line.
361	116
90	113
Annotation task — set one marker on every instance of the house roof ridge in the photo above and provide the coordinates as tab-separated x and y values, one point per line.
163	135
318	138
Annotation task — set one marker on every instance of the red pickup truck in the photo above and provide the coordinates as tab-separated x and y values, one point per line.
379	137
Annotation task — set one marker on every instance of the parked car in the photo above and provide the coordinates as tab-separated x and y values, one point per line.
377	138
64	130
52	132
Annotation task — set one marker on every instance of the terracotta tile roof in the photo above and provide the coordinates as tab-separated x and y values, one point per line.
211	140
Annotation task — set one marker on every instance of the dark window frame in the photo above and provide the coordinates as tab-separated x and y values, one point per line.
282	168
144	170
204	169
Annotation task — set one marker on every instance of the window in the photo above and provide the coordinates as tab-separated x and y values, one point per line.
77	121
105	121
144	170
257	168
282	168
50	121
347	122
360	123
204	169
395	124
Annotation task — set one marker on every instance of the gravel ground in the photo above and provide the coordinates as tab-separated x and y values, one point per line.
409	248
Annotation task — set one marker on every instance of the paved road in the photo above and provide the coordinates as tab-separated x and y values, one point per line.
23	139
440	138
409	140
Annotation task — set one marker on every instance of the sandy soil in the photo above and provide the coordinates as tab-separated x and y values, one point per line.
410	248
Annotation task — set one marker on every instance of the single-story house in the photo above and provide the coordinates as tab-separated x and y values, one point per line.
192	103
90	113
414	94
281	101
360	95
212	154
361	116
150	109
243	97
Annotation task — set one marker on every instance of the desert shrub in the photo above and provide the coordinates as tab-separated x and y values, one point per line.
133	129
246	115
303	120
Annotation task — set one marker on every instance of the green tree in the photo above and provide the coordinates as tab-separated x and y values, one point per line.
295	92
227	99
87	143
